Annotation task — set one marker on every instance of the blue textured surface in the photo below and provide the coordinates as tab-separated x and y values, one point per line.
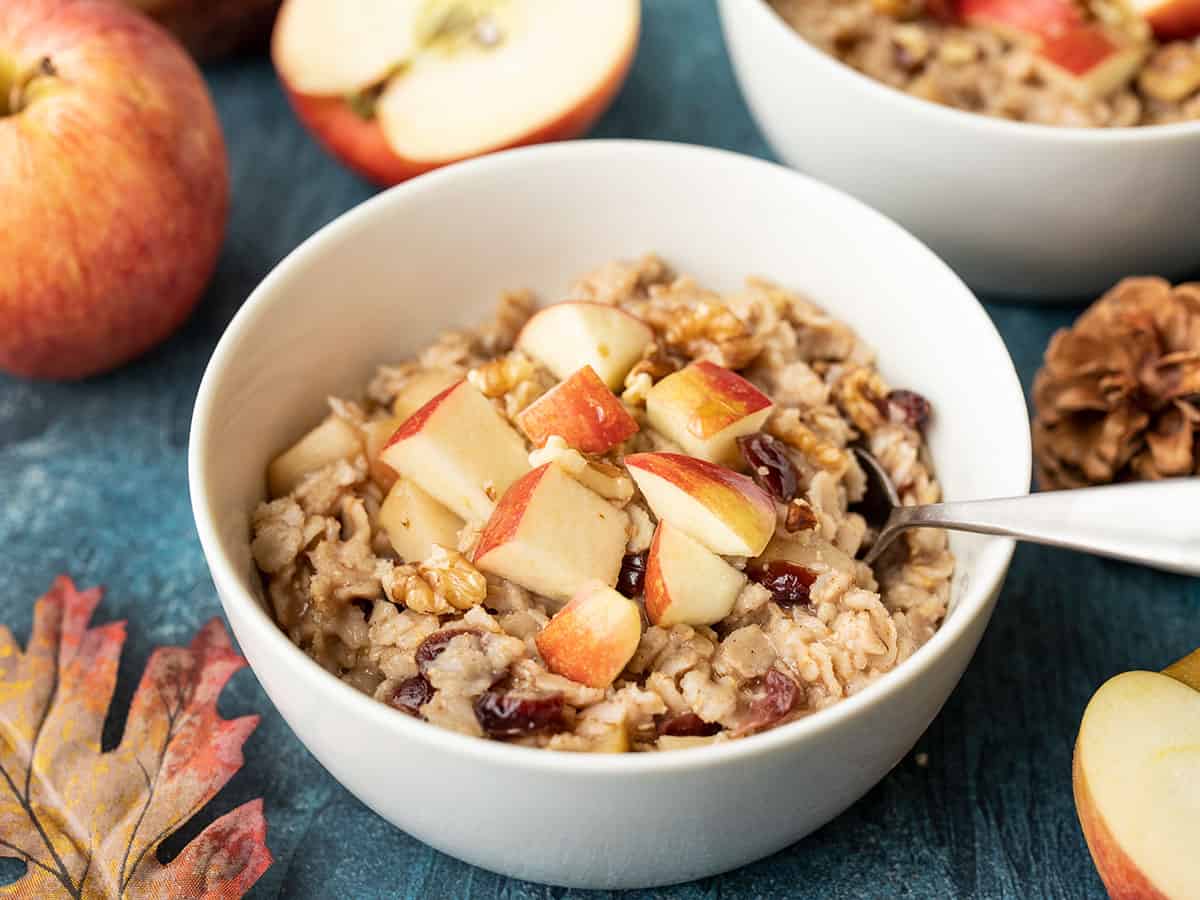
93	483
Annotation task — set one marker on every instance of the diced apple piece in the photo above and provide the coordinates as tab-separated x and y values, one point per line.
376	434
726	512
414	522
687	584
1021	18
330	441
582	411
459	450
592	638
705	408
567	335
422	387
1171	20
682	742
1172	74
551	535
808	550
1136	768
1090	61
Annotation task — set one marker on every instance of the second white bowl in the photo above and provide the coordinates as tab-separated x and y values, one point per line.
1029	211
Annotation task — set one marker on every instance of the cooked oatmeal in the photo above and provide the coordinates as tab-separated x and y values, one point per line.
622	524
1091	63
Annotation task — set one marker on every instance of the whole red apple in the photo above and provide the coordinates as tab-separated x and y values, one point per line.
114	186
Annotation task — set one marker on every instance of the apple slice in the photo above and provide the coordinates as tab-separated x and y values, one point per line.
398	87
330	441
422	387
1136	768
1021	18
705	408
726	512
592	638
550	534
582	411
1090	61
809	551
687	584
564	336
1170	20
414	522
376	434
460	450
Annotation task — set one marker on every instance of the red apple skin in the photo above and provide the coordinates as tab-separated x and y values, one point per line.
699	477
1078	50
1039	17
1175	20
115	187
1122	878
417	420
359	143
506	520
582	411
654	591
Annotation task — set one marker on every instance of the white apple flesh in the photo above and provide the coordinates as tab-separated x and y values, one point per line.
565	336
460	450
551	535
687	584
1137	783
330	441
414	522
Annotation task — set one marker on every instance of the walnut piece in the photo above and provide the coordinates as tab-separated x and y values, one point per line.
443	583
1118	397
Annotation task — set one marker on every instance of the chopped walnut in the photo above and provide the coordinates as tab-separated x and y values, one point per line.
800	516
1172	73
499	376
697	325
656	362
860	393
786	426
637	387
443	583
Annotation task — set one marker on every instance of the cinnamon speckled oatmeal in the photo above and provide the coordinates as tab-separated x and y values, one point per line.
1083	63
619	525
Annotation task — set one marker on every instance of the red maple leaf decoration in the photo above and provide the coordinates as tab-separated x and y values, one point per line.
88	823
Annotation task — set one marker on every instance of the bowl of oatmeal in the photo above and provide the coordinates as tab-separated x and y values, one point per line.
1043	150
540	526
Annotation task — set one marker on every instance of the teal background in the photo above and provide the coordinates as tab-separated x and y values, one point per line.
93	483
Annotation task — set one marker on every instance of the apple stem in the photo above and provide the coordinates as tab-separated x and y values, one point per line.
16	92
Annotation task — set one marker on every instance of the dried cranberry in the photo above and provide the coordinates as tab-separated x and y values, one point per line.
912	408
632	580
770	465
788	582
431	648
411	694
508	714
687	724
778	697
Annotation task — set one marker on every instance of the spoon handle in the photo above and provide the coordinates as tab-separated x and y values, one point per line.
1154	523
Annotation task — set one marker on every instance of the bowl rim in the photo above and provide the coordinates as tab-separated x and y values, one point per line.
264	300
951	116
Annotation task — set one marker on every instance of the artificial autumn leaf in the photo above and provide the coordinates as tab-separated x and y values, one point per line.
88	824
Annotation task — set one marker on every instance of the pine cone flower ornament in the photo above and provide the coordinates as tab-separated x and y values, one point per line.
1118	397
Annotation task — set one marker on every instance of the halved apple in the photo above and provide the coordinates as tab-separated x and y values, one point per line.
414	522
460	450
550	534
422	387
398	87
726	512
330	441
705	408
687	584
592	638
1137	781
1170	20
582	411
566	335
1090	61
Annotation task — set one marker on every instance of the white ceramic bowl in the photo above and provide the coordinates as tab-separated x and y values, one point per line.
382	280
1018	210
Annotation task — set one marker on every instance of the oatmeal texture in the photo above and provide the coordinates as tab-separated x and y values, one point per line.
918	46
440	639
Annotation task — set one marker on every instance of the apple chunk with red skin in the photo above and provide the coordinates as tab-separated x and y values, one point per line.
582	411
726	512
1170	20
1137	781
1021	18
592	638
1090	61
460	450
398	87
705	408
565	335
550	534
687	584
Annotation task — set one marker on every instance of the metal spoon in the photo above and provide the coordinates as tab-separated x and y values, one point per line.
1155	523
